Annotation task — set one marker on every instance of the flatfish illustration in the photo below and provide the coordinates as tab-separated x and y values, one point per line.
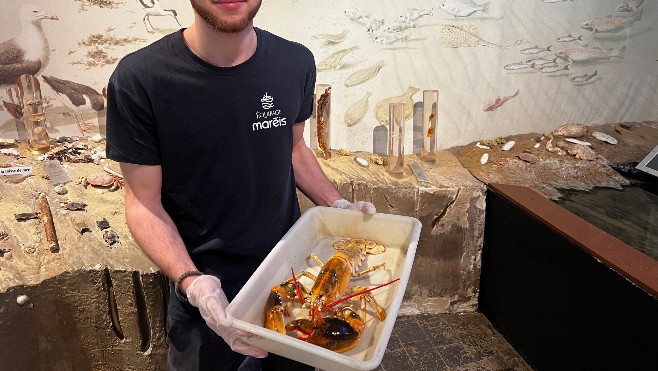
381	109
355	113
335	61
454	36
610	24
586	54
363	75
332	38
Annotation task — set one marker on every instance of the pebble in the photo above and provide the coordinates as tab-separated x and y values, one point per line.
60	189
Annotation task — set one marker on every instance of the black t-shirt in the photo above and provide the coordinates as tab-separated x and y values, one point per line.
223	137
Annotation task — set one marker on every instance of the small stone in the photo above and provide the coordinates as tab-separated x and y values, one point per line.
103	224
60	189
111	238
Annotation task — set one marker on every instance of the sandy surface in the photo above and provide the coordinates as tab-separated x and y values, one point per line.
553	171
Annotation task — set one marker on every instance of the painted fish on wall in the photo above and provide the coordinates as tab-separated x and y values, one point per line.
586	54
496	103
610	24
462	8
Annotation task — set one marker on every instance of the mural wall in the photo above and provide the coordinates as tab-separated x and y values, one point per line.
501	67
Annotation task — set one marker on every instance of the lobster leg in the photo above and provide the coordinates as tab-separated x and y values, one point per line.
371	269
379	310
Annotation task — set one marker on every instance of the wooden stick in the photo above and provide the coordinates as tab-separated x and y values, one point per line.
48	224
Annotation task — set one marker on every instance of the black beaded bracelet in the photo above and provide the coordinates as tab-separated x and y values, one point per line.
180	279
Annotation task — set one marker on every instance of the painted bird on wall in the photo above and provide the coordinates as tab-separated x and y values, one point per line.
78	98
155	9
27	53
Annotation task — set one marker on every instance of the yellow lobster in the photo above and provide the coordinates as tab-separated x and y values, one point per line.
340	329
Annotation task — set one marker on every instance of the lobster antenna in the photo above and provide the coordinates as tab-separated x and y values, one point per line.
357	294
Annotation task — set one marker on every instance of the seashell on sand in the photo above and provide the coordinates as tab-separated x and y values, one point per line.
576	141
484	158
482	146
507	146
603	137
22	299
571	130
537	145
361	161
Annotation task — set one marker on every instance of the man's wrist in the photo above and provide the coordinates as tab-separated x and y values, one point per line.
182	282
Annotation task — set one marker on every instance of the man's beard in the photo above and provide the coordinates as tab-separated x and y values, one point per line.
222	25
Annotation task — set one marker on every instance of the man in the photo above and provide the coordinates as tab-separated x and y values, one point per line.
207	125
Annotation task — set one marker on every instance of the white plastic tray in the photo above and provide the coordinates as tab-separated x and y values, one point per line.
315	231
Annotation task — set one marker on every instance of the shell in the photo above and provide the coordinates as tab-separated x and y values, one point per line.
571	130
363	75
381	109
361	161
528	157
537	145
22	299
484	158
603	137
334	38
576	141
335	61
507	146
355	113
481	146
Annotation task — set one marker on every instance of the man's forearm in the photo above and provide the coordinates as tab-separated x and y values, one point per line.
310	178
158	237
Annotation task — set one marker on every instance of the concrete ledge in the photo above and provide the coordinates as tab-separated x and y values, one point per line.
98	307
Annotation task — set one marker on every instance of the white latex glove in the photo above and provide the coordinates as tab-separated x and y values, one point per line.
206	293
366	207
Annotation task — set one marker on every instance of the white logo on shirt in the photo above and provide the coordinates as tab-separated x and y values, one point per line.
269	118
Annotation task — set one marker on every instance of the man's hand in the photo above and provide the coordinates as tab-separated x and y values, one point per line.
366	207
206	293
